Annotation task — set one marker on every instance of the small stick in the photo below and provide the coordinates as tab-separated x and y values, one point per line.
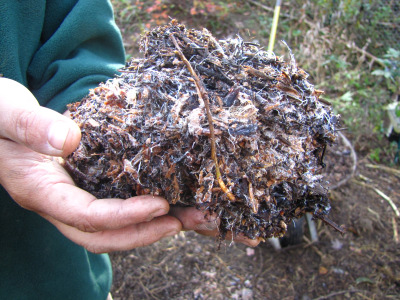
338	293
312	245
390	201
271	107
329	222
204	97
384	168
118	119
254	202
367	54
395	231
257	73
380	193
324	101
217	46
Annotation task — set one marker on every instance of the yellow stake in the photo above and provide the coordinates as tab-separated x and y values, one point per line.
274	26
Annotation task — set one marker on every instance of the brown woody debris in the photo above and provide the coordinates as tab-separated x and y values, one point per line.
220	125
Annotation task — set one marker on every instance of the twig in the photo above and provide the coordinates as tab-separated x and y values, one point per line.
373	58
217	46
333	294
390	201
267	8
329	222
312	245
147	291
392	171
204	97
363	296
395	231
382	194
253	202
377	216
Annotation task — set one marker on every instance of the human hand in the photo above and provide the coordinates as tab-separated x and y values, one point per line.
31	137
194	219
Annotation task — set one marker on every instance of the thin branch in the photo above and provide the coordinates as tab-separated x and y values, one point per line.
382	194
204	97
373	58
333	294
267	8
390	201
329	222
392	171
395	231
270	9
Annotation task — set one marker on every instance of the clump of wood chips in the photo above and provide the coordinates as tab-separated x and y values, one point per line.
220	125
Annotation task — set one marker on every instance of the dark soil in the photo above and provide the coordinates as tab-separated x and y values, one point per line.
364	263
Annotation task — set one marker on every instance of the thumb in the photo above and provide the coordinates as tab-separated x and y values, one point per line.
24	121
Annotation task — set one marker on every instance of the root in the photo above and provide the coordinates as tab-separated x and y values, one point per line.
203	96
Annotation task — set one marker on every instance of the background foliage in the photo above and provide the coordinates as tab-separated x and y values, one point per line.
350	48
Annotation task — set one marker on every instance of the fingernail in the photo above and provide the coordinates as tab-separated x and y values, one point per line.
157	213
171	233
57	135
248	242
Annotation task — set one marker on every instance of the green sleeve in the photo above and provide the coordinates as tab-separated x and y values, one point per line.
59	49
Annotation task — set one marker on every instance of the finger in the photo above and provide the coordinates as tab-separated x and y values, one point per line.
41	129
205	224
194	219
82	210
122	239
240	238
39	183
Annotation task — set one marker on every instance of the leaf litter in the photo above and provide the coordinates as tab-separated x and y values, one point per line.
223	126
